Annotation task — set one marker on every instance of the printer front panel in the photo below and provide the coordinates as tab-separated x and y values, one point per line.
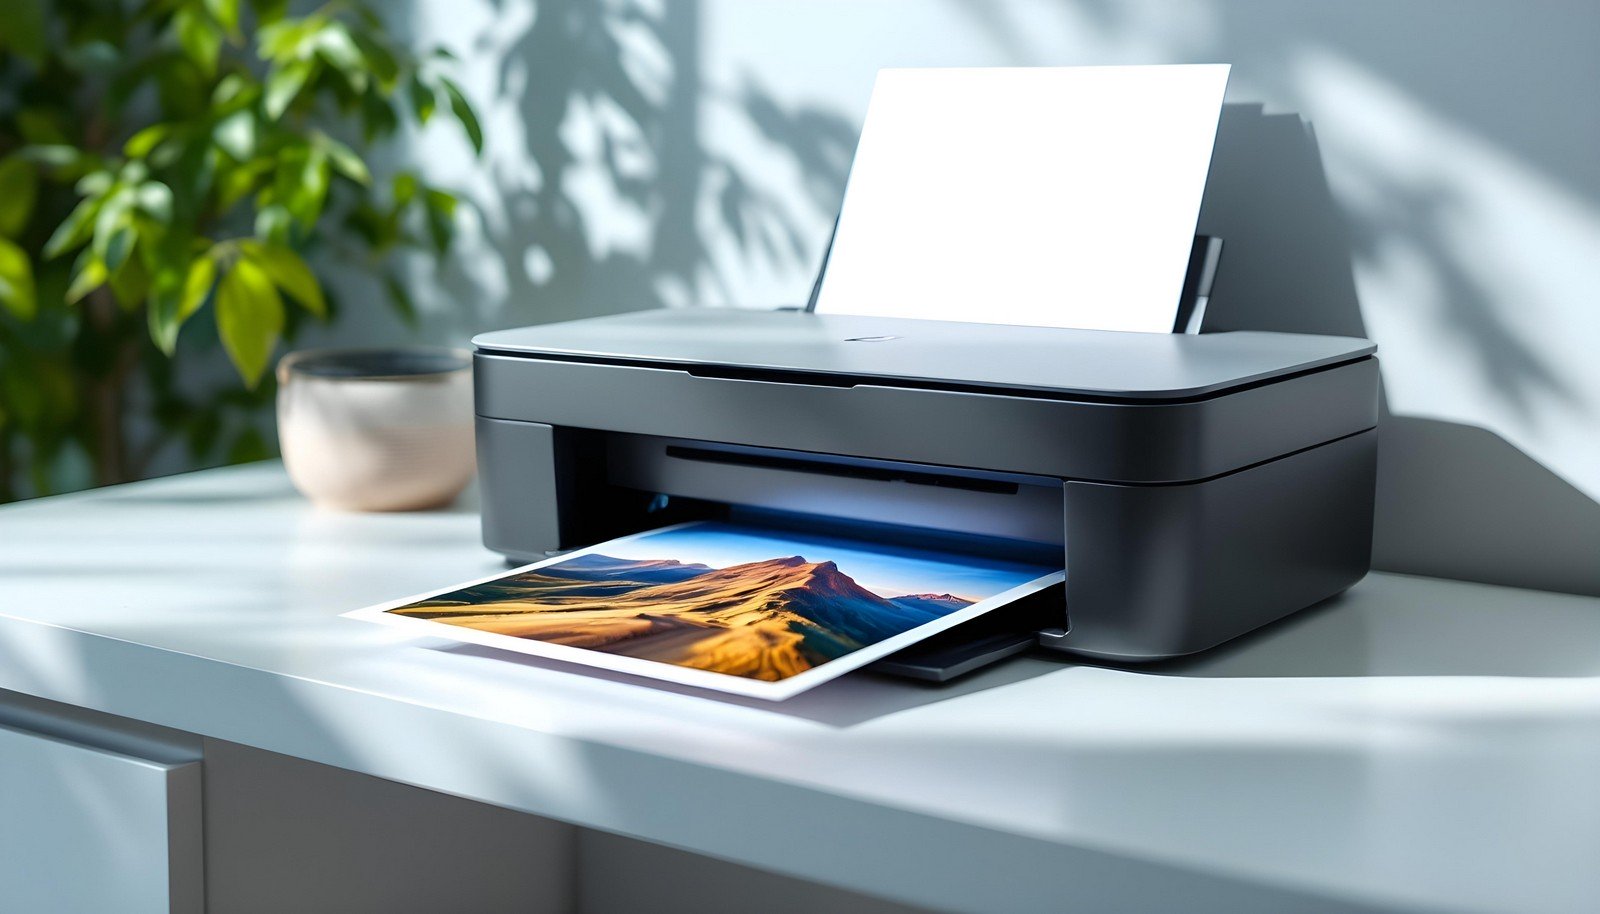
573	453
1141	442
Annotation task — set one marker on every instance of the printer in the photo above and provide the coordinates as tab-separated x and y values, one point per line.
1195	486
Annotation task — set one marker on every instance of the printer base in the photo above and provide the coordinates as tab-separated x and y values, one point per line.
941	660
976	644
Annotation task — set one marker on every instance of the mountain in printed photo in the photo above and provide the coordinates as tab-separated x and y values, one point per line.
939	602
763	620
597	567
591	575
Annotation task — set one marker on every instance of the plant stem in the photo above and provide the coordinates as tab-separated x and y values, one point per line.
107	394
8	492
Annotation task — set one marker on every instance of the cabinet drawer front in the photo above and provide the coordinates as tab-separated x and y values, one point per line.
89	829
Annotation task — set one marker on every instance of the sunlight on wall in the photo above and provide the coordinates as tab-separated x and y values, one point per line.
1479	276
617	175
608	152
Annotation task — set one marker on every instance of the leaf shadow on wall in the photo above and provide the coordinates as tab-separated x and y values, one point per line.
632	208
1454	500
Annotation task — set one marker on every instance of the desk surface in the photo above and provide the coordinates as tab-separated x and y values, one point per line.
1415	745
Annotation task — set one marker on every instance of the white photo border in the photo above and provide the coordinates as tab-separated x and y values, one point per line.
668	672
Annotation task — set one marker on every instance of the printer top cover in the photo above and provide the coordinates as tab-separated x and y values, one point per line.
833	347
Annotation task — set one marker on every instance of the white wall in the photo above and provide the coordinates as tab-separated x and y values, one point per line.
1445	200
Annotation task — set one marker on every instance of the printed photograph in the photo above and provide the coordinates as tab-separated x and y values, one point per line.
727	599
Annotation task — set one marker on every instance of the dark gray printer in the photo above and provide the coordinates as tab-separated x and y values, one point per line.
1195	486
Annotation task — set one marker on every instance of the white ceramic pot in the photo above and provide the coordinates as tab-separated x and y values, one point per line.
377	429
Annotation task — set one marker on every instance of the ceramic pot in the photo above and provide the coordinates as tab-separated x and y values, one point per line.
377	429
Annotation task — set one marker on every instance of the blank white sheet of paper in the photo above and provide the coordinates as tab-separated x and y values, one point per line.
1060	197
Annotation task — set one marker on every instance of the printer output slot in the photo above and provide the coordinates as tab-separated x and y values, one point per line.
939	500
852	471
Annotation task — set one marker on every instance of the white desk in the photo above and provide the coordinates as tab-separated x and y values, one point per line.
1415	745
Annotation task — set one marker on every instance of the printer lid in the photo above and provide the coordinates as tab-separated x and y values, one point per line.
1096	363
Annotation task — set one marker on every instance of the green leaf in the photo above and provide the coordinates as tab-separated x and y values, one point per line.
289	273
118	247
182	87
162	318
77	228
284	84
334	45
196	286
401	300
405	189
169	296
345	160
236	135
226	12
423	98
441	218
115	216
129	282
273	223
442	202
194	166
95	183
379	59
379	230
22	30
133	173
56	155
309	191
91	275
249	319
155	201
234	183
463	112
17	291
278	40
233	92
269	12
200	39
140	144
291	38
378	118
19	190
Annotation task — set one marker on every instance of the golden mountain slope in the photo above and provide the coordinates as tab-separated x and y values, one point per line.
762	620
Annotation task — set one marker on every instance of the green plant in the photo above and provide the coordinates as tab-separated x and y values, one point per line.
161	156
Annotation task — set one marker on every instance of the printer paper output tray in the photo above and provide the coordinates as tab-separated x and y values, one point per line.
1195	486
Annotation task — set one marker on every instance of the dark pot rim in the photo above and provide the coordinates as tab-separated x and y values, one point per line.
374	363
